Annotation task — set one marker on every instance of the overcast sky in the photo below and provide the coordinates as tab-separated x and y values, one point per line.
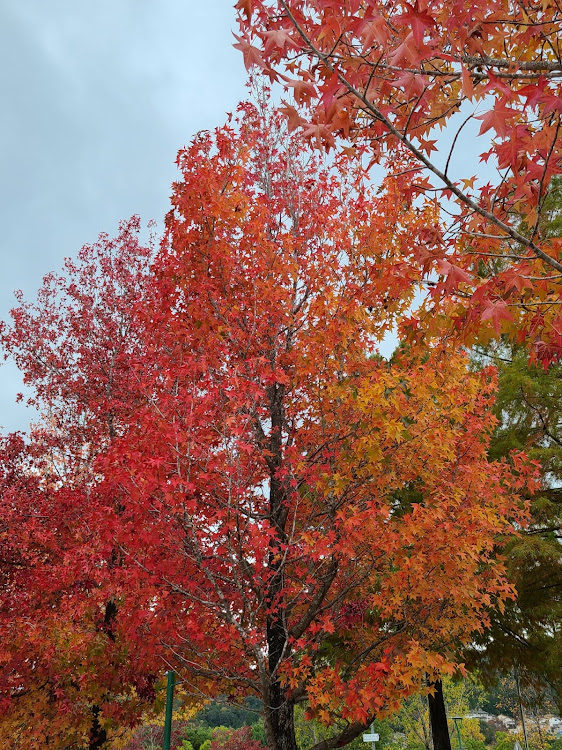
98	96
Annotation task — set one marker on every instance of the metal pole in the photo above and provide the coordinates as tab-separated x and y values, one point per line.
516	673
169	707
457	720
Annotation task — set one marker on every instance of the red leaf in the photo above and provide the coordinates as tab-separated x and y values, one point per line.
496	312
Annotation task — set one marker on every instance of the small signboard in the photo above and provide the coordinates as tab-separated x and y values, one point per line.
371	737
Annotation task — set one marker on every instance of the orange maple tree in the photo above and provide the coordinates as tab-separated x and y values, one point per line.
241	488
297	518
387	77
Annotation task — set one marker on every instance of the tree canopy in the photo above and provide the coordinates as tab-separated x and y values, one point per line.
248	492
383	79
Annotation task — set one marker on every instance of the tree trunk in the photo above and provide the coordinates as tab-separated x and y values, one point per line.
280	710
98	735
281	720
438	718
518	685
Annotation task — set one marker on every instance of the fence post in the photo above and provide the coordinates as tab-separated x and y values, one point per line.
169	707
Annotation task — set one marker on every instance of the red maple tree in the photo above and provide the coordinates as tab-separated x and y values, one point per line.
387	77
297	518
64	666
249	493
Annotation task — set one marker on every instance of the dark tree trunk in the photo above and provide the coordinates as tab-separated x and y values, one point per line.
280	710
281	718
438	718
98	735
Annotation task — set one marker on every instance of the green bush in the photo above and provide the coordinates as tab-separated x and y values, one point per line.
197	736
258	732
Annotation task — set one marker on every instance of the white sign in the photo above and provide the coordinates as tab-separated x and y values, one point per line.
372	737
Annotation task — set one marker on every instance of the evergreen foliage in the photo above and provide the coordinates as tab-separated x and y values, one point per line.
527	635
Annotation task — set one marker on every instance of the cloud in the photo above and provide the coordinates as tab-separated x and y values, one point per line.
97	99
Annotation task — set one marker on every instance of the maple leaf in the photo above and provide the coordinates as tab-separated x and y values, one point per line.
497	119
517	280
534	92
294	120
303	91
246	7
510	154
278	39
454	275
417	20
552	104
374	29
409	52
496	312
499	85
252	55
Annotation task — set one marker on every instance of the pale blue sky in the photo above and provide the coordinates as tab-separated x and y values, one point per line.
97	97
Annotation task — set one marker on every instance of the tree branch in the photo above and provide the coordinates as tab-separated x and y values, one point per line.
378	115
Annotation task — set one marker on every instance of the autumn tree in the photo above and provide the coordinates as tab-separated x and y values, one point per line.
67	676
76	345
58	664
385	78
296	518
235	485
523	639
